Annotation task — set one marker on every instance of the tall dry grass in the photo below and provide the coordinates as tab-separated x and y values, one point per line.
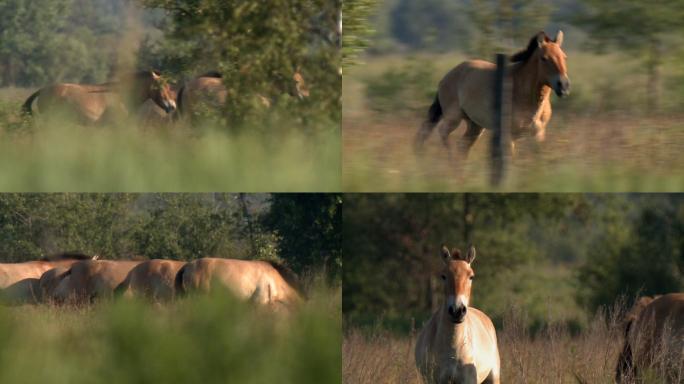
553	355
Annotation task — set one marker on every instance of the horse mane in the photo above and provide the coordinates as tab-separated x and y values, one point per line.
67	256
214	74
290	277
532	46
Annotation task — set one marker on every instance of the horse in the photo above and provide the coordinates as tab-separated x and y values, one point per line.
654	338
89	280
261	282
458	344
153	279
466	93
208	91
92	104
48	282
11	273
20	281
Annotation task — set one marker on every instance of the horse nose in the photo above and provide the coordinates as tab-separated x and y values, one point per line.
564	86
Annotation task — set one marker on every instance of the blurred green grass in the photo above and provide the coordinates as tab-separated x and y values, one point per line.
207	339
66	157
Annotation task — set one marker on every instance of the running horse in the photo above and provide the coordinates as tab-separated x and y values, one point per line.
467	93
458	343
92	104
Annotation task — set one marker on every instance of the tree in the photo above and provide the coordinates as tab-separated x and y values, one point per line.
309	231
357	29
258	46
640	28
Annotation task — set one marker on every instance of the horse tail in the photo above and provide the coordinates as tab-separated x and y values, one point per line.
290	278
179	100
26	108
435	111
178	281
434	114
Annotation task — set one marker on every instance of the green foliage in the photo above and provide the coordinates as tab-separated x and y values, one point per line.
357	28
309	228
644	257
203	339
258	46
52	40
403	89
428	24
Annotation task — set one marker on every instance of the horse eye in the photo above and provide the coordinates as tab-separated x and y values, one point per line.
443	277
544	58
472	277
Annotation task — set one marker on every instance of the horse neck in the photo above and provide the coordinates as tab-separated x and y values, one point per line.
454	334
528	88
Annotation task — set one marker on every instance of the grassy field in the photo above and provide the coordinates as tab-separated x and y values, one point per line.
66	157
553	355
195	340
599	139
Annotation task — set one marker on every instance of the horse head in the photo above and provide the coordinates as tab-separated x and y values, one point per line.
457	276
551	60
156	87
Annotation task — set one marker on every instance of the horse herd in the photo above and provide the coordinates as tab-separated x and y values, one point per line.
146	95
458	344
77	279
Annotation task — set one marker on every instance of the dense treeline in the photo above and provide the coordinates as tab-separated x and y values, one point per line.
559	257
175	226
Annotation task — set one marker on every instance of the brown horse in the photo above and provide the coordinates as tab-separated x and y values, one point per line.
654	339
467	93
257	281
91	104
208	91
88	280
20	281
11	273
458	344
153	279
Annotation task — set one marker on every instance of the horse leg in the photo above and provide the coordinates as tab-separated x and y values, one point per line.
447	125
434	115
472	133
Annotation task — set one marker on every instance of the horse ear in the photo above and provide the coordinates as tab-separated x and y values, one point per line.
541	38
470	256
155	74
446	256
559	38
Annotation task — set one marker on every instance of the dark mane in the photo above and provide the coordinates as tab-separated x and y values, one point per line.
215	74
532	46
66	256
290	277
